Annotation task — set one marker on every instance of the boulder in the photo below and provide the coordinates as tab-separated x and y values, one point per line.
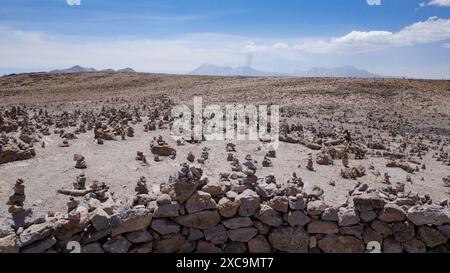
9	244
39	246
330	214
92	248
297	218
181	191
259	244
141	248
248	202
445	230
169	243
382	228
199	220
235	247
392	213
430	236
77	221
390	245
140	236
100	219
227	208
414	246
315	208
280	203
341	244
268	190
167	210
216	235
368	202
367	216
429	215
194	234
215	189
242	234
200	201
162	150
164	226
348	217
117	244
261	227
403	231
296	202
92	235
10	153
130	220
289	239
35	233
322	227
269	216
371	235
207	247
238	222
356	231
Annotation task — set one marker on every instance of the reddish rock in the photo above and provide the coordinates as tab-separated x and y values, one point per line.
341	244
392	213
322	227
199	220
289	239
430	236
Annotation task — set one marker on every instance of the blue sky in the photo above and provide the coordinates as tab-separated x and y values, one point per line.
389	37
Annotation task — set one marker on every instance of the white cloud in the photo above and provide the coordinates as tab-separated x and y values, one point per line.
440	3
432	30
280	46
374	2
37	50
73	2
446	45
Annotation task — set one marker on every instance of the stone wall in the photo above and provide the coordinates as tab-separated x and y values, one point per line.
192	214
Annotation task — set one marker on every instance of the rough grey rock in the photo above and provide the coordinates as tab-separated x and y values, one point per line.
289	239
164	226
117	245
134	219
242	234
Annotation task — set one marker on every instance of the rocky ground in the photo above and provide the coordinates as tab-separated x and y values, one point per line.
92	136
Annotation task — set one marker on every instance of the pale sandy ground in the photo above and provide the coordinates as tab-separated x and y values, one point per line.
424	104
114	162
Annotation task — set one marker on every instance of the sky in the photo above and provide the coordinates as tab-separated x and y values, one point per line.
405	38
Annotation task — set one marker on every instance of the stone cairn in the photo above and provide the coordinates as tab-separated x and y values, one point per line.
310	164
141	186
141	157
142	193
80	183
80	161
100	191
16	200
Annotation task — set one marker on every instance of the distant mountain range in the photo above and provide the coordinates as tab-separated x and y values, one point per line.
247	71
80	69
344	71
217	70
